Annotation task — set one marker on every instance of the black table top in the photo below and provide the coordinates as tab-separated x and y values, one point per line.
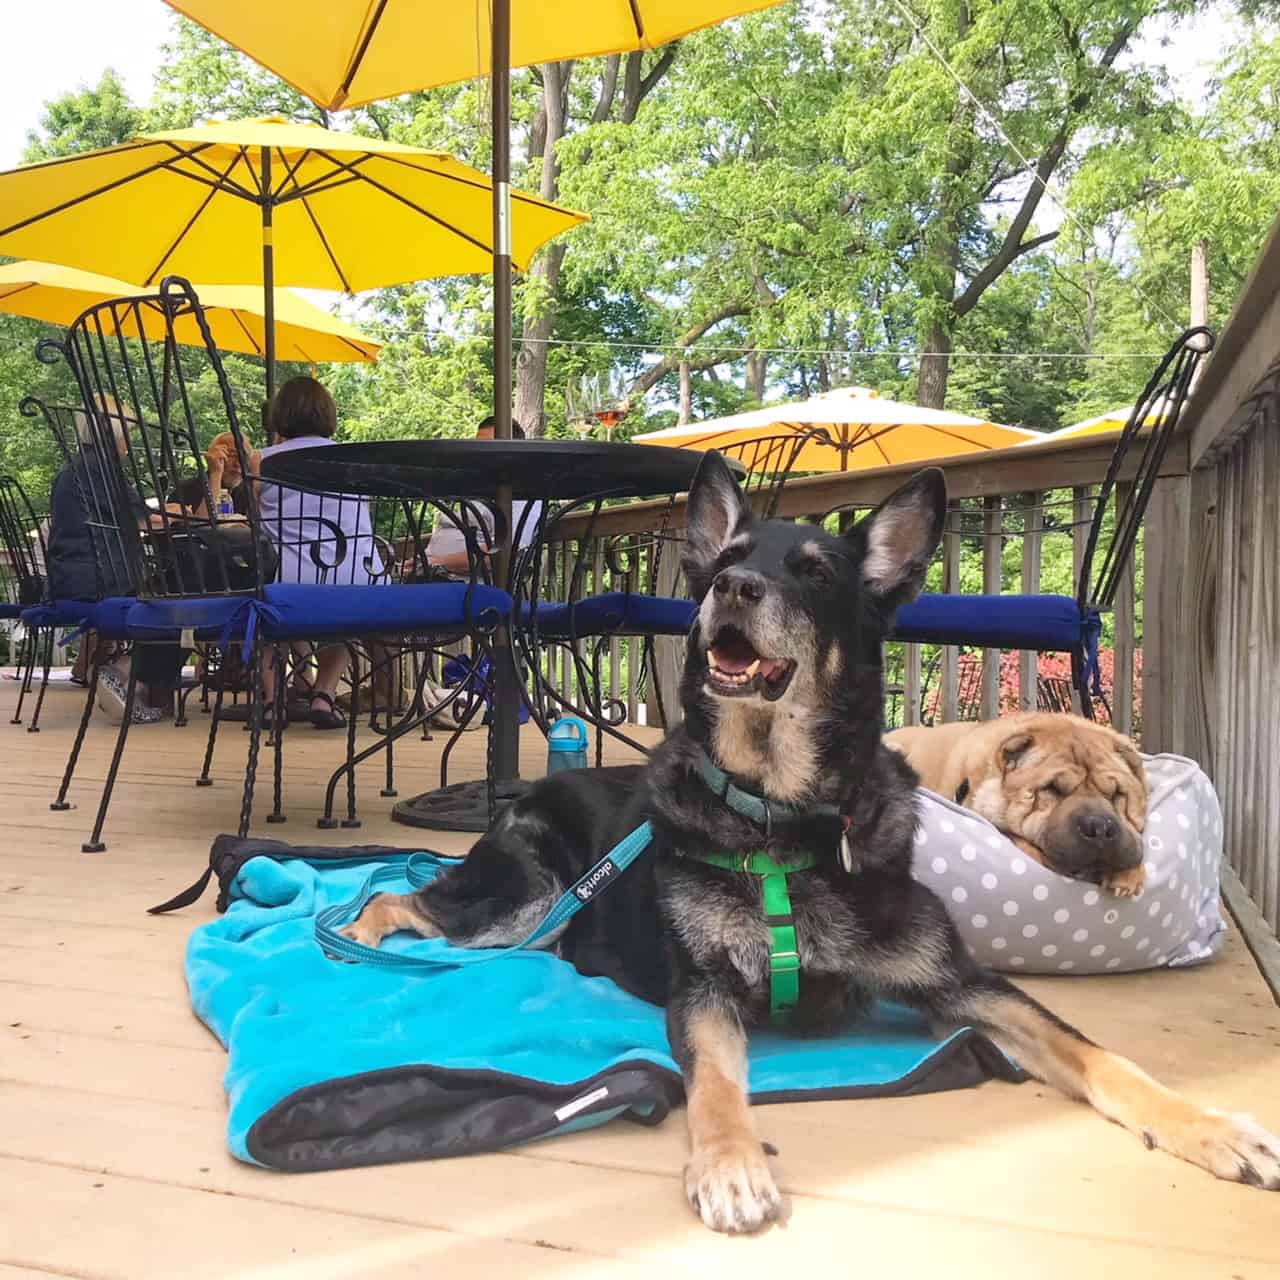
535	469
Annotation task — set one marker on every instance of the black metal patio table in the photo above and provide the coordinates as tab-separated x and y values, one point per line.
495	471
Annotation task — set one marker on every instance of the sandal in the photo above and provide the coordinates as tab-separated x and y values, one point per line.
332	718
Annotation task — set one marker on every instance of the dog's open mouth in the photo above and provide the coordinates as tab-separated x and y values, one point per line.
735	668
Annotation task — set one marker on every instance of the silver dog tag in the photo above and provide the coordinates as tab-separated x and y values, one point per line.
846	854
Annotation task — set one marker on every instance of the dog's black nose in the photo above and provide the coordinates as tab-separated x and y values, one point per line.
739	586
1097	826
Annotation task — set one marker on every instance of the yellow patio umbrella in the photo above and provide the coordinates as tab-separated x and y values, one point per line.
265	201
235	313
344	53
1114	420
853	429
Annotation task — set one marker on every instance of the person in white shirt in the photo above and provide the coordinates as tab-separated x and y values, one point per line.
448	546
304	527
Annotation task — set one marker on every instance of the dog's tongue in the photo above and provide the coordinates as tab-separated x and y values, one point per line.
733	659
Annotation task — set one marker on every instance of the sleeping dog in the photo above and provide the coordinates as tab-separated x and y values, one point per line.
779	763
1069	793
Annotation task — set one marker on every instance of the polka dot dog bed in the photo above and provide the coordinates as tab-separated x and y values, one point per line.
1019	917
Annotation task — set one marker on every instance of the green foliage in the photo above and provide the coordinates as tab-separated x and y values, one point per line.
86	119
807	187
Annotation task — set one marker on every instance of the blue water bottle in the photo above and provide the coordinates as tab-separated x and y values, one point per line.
567	745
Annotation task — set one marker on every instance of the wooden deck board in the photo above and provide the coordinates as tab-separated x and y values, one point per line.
112	1118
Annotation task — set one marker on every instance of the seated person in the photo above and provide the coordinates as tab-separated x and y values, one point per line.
222	462
320	538
87	558
448	546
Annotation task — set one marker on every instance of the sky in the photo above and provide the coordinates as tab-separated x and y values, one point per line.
63	44
55	46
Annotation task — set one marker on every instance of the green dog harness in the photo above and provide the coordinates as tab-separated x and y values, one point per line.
784	949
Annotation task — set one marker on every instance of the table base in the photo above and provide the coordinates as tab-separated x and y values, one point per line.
463	806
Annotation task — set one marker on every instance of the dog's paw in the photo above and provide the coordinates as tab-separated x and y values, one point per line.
1126	884
367	929
1233	1147
731	1188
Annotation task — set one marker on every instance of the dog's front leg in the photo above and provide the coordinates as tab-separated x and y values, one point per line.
727	1179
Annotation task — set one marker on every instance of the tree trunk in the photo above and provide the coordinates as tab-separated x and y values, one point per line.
544	274
757	367
935	368
686	394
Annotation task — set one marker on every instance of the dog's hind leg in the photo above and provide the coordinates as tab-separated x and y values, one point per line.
727	1179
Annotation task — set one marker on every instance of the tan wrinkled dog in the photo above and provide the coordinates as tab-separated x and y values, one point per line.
1070	793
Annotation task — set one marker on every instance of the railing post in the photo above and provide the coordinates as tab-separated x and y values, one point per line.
992	584
1032	524
950	666
668	651
1122	690
1081	519
1167	642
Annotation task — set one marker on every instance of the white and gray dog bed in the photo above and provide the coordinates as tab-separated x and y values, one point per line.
1019	917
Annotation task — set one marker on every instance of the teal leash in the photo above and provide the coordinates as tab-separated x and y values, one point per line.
422	868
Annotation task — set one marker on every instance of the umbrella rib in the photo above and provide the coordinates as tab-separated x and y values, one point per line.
289	171
182	235
354	68
324	240
462	180
218	180
637	21
300	194
955	435
248	333
395	195
90	195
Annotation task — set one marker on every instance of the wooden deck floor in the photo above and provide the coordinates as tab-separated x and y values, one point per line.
112	1117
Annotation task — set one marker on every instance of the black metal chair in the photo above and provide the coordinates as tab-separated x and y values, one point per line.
23	542
1066	624
641	602
152	403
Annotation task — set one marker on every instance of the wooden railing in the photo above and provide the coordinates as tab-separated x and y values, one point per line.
1214	590
1016	501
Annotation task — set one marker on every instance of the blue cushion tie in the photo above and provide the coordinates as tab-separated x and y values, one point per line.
247	615
1092	640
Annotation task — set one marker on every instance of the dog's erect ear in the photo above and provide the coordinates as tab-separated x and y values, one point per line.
1013	748
898	539
717	511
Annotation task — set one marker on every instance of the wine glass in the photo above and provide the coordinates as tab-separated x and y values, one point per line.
613	403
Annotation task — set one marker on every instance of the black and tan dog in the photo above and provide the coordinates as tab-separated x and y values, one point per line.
782	692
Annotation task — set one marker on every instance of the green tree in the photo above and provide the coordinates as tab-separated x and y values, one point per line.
84	120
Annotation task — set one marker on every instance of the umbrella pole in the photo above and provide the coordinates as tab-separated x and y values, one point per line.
506	694
268	281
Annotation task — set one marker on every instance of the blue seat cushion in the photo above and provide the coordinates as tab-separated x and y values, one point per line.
306	611
623	612
10	611
108	617
1046	622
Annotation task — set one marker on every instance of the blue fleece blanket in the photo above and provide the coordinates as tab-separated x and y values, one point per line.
334	1064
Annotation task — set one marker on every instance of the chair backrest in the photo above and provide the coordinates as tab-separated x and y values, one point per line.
150	403
769	461
23	543
1161	403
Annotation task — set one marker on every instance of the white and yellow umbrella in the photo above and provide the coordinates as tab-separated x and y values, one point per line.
853	429
235	313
